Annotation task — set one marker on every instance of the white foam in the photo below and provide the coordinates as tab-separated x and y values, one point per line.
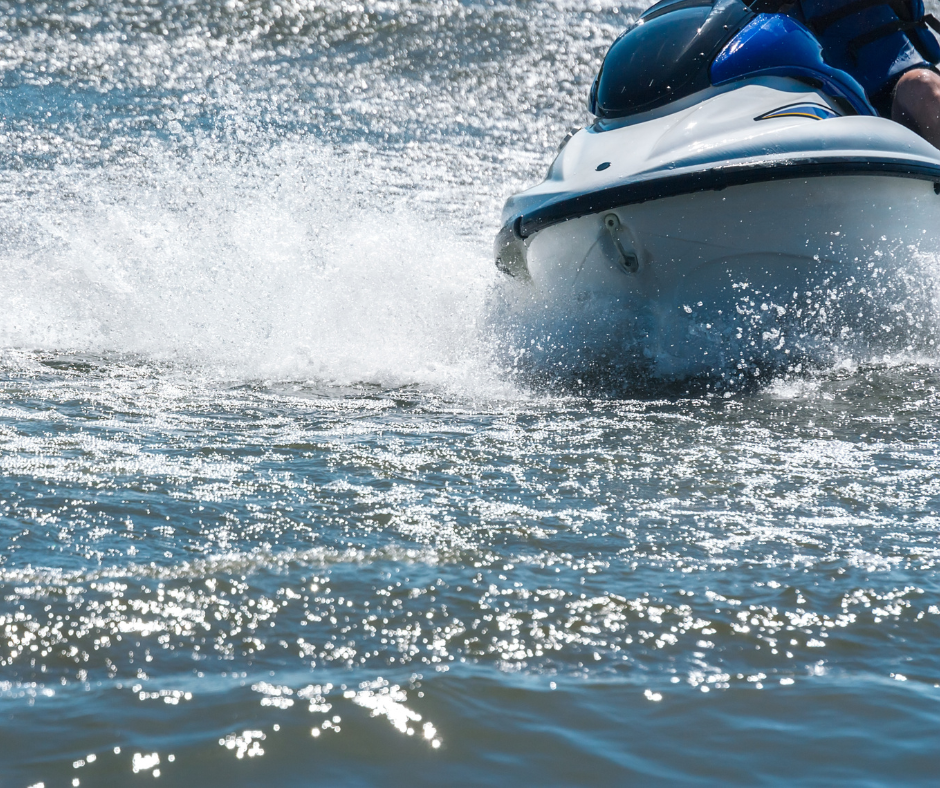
285	263
570	336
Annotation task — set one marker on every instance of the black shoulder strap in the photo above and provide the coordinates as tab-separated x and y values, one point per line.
880	32
820	23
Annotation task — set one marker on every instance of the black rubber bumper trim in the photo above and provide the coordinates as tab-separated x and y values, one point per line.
716	179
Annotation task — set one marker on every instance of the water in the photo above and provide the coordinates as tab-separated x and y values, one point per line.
297	491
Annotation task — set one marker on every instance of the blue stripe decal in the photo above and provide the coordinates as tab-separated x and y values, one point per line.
812	111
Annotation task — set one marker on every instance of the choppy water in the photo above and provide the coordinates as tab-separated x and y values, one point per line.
296	491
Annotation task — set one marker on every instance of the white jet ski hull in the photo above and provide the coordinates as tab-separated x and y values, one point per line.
702	207
776	238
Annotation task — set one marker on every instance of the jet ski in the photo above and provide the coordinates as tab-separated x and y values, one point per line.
728	165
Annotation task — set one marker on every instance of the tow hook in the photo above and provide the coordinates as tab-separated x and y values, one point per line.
629	260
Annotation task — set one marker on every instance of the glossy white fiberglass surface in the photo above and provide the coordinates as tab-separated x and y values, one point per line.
712	129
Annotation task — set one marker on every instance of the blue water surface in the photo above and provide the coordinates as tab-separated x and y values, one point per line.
287	499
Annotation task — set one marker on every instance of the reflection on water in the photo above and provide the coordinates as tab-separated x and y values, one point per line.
295	489
257	574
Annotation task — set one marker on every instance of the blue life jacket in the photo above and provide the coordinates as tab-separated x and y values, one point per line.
873	40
